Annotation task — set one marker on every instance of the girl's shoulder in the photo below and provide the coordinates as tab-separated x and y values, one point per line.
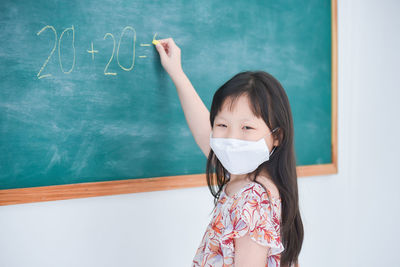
269	185
261	190
254	198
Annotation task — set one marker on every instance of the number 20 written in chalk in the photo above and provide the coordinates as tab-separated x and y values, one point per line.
72	29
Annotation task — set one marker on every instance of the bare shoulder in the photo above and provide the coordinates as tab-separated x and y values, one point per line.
269	184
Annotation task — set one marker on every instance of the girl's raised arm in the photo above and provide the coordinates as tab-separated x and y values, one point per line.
196	113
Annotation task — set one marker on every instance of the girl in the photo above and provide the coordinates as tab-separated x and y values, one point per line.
248	139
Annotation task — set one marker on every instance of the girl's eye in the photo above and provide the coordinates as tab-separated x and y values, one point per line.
248	127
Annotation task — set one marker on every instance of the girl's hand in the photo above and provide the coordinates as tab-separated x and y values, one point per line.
170	55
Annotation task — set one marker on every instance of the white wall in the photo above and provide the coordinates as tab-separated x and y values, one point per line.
350	218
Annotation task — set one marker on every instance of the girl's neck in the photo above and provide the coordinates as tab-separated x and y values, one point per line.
238	178
246	177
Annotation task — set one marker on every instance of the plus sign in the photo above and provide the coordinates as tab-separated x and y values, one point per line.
92	51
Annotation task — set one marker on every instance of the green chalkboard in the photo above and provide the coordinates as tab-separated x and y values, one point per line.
83	96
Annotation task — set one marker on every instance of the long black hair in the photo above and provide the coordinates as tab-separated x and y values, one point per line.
270	102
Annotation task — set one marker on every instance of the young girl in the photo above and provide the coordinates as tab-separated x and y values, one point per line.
248	139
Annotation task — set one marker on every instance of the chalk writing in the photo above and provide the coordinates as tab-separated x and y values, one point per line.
51	53
73	46
92	51
134	42
112	55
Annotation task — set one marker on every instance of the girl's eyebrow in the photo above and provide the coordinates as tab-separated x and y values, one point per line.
243	119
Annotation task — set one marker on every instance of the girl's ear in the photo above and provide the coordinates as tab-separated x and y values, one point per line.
276	142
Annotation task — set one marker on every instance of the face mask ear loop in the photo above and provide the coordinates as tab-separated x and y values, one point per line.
273	130
272	151
274	146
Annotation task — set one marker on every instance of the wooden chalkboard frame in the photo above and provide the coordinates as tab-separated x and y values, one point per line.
94	189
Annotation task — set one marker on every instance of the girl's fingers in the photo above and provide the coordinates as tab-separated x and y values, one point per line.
161	50
172	41
168	42
170	55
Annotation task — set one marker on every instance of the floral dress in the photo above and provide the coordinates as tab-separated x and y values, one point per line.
249	210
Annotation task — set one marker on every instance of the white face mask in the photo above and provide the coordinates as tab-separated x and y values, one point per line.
240	156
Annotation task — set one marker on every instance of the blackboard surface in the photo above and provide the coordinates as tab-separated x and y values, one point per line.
83	97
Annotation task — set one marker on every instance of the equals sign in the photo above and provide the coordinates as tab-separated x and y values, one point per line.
144	45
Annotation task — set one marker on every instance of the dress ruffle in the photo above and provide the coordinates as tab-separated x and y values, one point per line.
258	217
248	211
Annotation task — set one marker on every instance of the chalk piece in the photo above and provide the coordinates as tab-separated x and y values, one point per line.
155	42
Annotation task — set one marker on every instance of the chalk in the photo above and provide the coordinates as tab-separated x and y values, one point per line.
155	42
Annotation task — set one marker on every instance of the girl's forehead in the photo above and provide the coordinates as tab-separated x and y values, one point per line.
237	115
236	102
240	107
239	111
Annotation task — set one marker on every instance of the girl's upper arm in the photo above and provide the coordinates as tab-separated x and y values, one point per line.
204	143
249	253
256	230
